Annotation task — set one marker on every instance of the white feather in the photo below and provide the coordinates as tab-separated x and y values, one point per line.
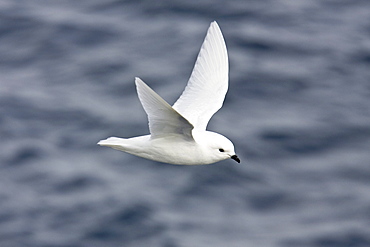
163	119
208	83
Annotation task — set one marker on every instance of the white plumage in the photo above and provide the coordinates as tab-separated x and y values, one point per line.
178	134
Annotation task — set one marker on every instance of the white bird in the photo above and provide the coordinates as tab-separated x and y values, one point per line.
178	134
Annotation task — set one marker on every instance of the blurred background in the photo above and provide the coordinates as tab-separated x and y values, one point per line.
297	110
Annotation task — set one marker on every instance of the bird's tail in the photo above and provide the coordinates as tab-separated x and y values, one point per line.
114	142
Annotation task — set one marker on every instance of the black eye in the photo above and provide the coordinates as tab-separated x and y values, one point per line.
221	150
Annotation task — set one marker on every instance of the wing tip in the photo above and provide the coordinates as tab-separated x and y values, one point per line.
138	80
214	25
141	86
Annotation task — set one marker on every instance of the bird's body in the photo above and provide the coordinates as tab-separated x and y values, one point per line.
172	149
178	133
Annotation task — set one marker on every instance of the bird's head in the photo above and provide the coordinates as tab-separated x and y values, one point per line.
217	146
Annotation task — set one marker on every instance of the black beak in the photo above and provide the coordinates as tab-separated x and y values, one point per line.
236	158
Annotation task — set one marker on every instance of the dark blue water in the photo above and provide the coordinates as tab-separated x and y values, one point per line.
298	112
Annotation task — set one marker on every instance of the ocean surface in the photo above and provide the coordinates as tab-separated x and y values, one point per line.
297	110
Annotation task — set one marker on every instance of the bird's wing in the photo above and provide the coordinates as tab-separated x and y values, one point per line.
163	119
208	83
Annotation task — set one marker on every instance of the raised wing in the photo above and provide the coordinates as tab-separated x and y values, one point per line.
163	119
208	83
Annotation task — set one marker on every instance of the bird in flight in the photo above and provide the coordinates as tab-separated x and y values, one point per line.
178	133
